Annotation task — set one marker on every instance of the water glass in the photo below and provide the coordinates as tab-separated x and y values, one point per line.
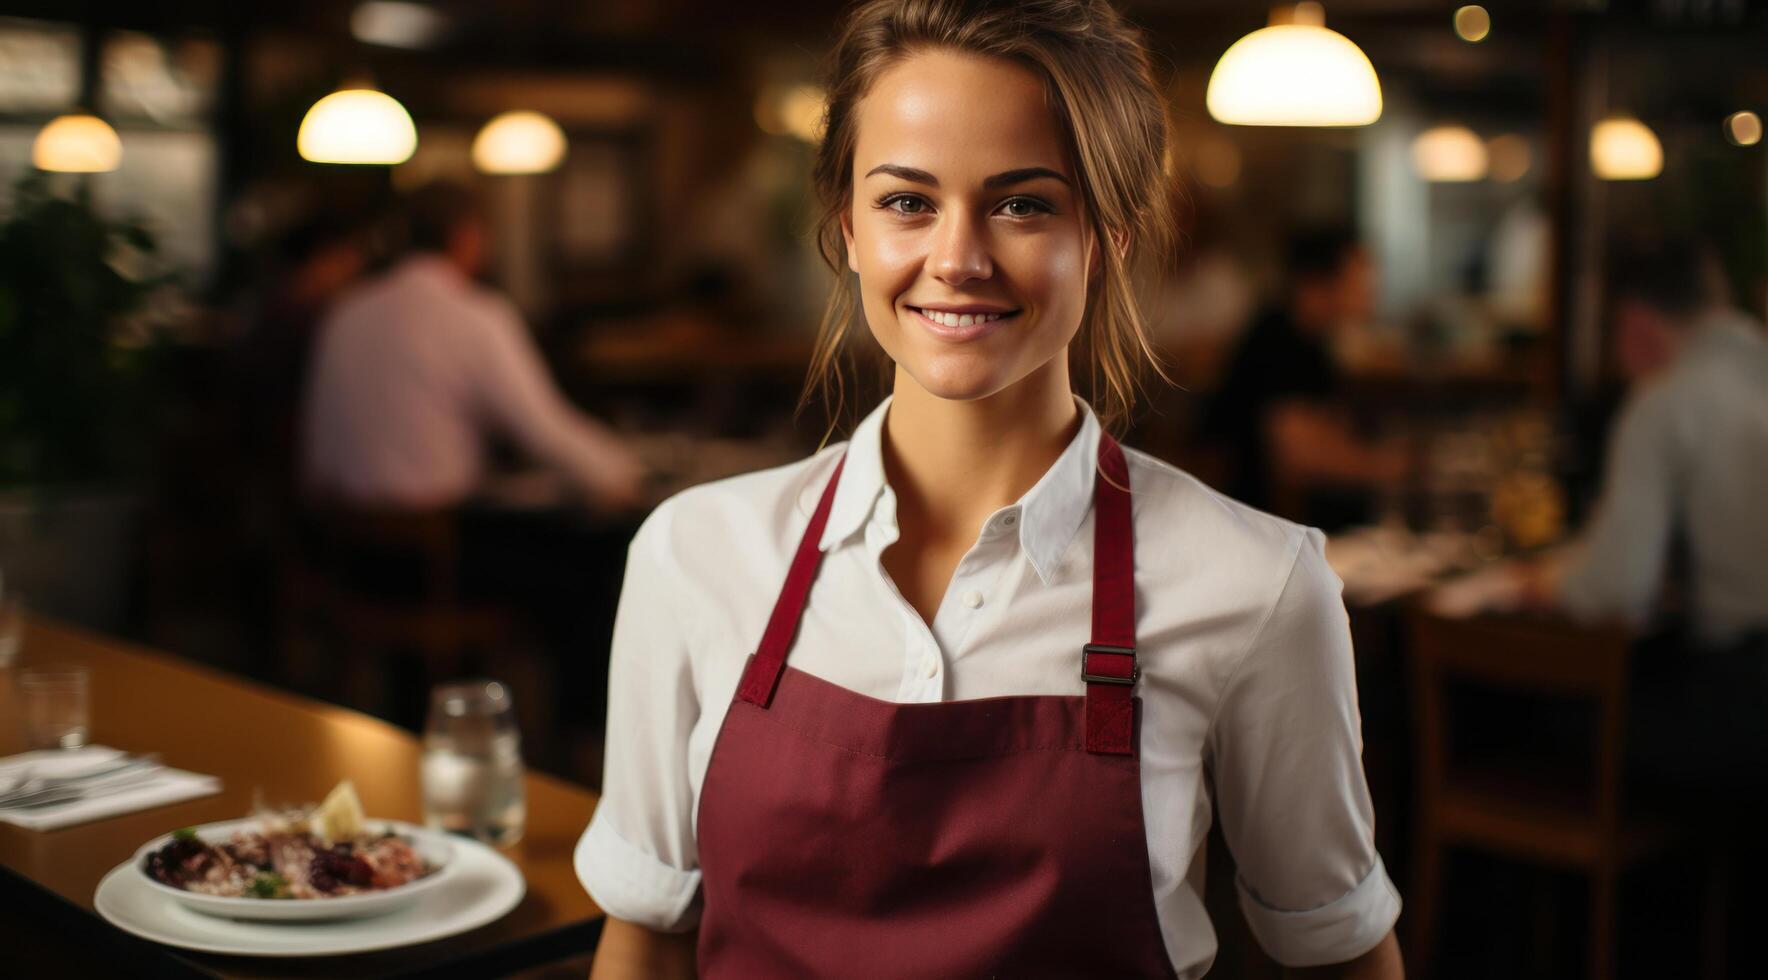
472	763
56	705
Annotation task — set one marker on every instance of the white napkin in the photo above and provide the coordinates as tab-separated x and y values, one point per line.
166	786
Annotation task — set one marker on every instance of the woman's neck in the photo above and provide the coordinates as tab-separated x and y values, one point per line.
952	463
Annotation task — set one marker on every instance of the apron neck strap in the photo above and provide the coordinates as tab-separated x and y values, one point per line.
763	673
1108	663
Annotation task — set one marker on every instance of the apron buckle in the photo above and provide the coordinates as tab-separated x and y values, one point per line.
1088	676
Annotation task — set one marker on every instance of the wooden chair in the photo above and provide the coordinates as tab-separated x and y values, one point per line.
1539	817
408	602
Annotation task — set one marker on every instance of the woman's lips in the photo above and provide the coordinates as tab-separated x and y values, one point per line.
966	327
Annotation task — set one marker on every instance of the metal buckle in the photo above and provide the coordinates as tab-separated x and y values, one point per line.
1092	678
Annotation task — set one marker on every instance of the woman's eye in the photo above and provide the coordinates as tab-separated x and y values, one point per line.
904	204
1024	207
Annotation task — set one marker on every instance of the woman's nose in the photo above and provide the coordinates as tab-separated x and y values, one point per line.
960	253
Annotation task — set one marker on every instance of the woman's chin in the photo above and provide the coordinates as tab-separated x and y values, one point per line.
962	382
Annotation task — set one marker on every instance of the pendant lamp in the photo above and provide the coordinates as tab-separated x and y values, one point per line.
77	143
357	125
519	142
1294	72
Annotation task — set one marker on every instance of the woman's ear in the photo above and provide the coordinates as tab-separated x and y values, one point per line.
847	238
1120	243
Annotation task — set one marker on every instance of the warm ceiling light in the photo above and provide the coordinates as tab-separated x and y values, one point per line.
1449	154
1294	72
1623	148
1473	23
77	143
1508	157
357	125
397	25
520	142
1743	128
795	110
801	110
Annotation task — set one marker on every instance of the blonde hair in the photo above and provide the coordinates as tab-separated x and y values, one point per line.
1100	86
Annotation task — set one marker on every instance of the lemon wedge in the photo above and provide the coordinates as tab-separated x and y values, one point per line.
340	817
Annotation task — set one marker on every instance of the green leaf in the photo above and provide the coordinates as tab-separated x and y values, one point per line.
268	884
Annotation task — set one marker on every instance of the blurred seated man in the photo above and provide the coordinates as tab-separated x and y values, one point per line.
1687	460
416	368
1688	455
1274	412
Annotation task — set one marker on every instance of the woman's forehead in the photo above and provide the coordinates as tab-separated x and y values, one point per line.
958	114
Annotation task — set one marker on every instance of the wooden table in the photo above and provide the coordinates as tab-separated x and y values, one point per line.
295	749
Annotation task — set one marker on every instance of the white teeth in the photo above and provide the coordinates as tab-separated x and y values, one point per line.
960	319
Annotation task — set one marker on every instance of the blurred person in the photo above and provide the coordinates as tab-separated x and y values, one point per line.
1273	415
1684	482
416	368
924	769
1687	457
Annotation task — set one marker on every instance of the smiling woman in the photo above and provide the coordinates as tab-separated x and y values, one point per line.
1016	647
1063	154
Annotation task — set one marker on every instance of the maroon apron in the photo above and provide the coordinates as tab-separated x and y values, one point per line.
842	835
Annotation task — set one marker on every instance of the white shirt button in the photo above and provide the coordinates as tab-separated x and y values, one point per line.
930	665
973	599
1009	520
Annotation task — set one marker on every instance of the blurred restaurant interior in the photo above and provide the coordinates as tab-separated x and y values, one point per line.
1479	260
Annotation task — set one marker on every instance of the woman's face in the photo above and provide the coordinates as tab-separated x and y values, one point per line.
965	224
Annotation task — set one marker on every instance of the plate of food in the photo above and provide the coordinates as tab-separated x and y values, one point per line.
297	865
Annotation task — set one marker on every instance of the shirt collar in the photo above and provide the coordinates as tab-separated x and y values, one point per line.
1047	516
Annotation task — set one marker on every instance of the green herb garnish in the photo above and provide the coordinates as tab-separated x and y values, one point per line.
184	833
268	885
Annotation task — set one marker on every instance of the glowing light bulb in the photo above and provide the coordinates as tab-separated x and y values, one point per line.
360	125
77	143
1294	73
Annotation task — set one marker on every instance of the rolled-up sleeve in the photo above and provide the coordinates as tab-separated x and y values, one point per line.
1286	753
638	858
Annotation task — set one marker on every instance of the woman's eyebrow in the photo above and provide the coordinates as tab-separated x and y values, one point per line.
1020	176
1003	179
909	174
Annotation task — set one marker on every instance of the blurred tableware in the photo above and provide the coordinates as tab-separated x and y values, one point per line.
142	787
437	851
12	625
38	791
484	887
472	763
55	705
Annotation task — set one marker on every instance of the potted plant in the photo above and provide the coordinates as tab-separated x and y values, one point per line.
77	350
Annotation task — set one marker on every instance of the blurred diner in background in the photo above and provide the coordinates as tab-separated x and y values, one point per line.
344	346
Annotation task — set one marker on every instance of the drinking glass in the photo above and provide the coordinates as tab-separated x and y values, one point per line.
472	763
56	704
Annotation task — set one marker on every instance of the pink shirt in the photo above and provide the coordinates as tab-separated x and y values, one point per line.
412	371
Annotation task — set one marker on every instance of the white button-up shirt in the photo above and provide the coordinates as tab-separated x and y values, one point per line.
1689	452
412	372
1247	683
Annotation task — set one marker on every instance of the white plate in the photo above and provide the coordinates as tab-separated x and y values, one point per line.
434	846
482	887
